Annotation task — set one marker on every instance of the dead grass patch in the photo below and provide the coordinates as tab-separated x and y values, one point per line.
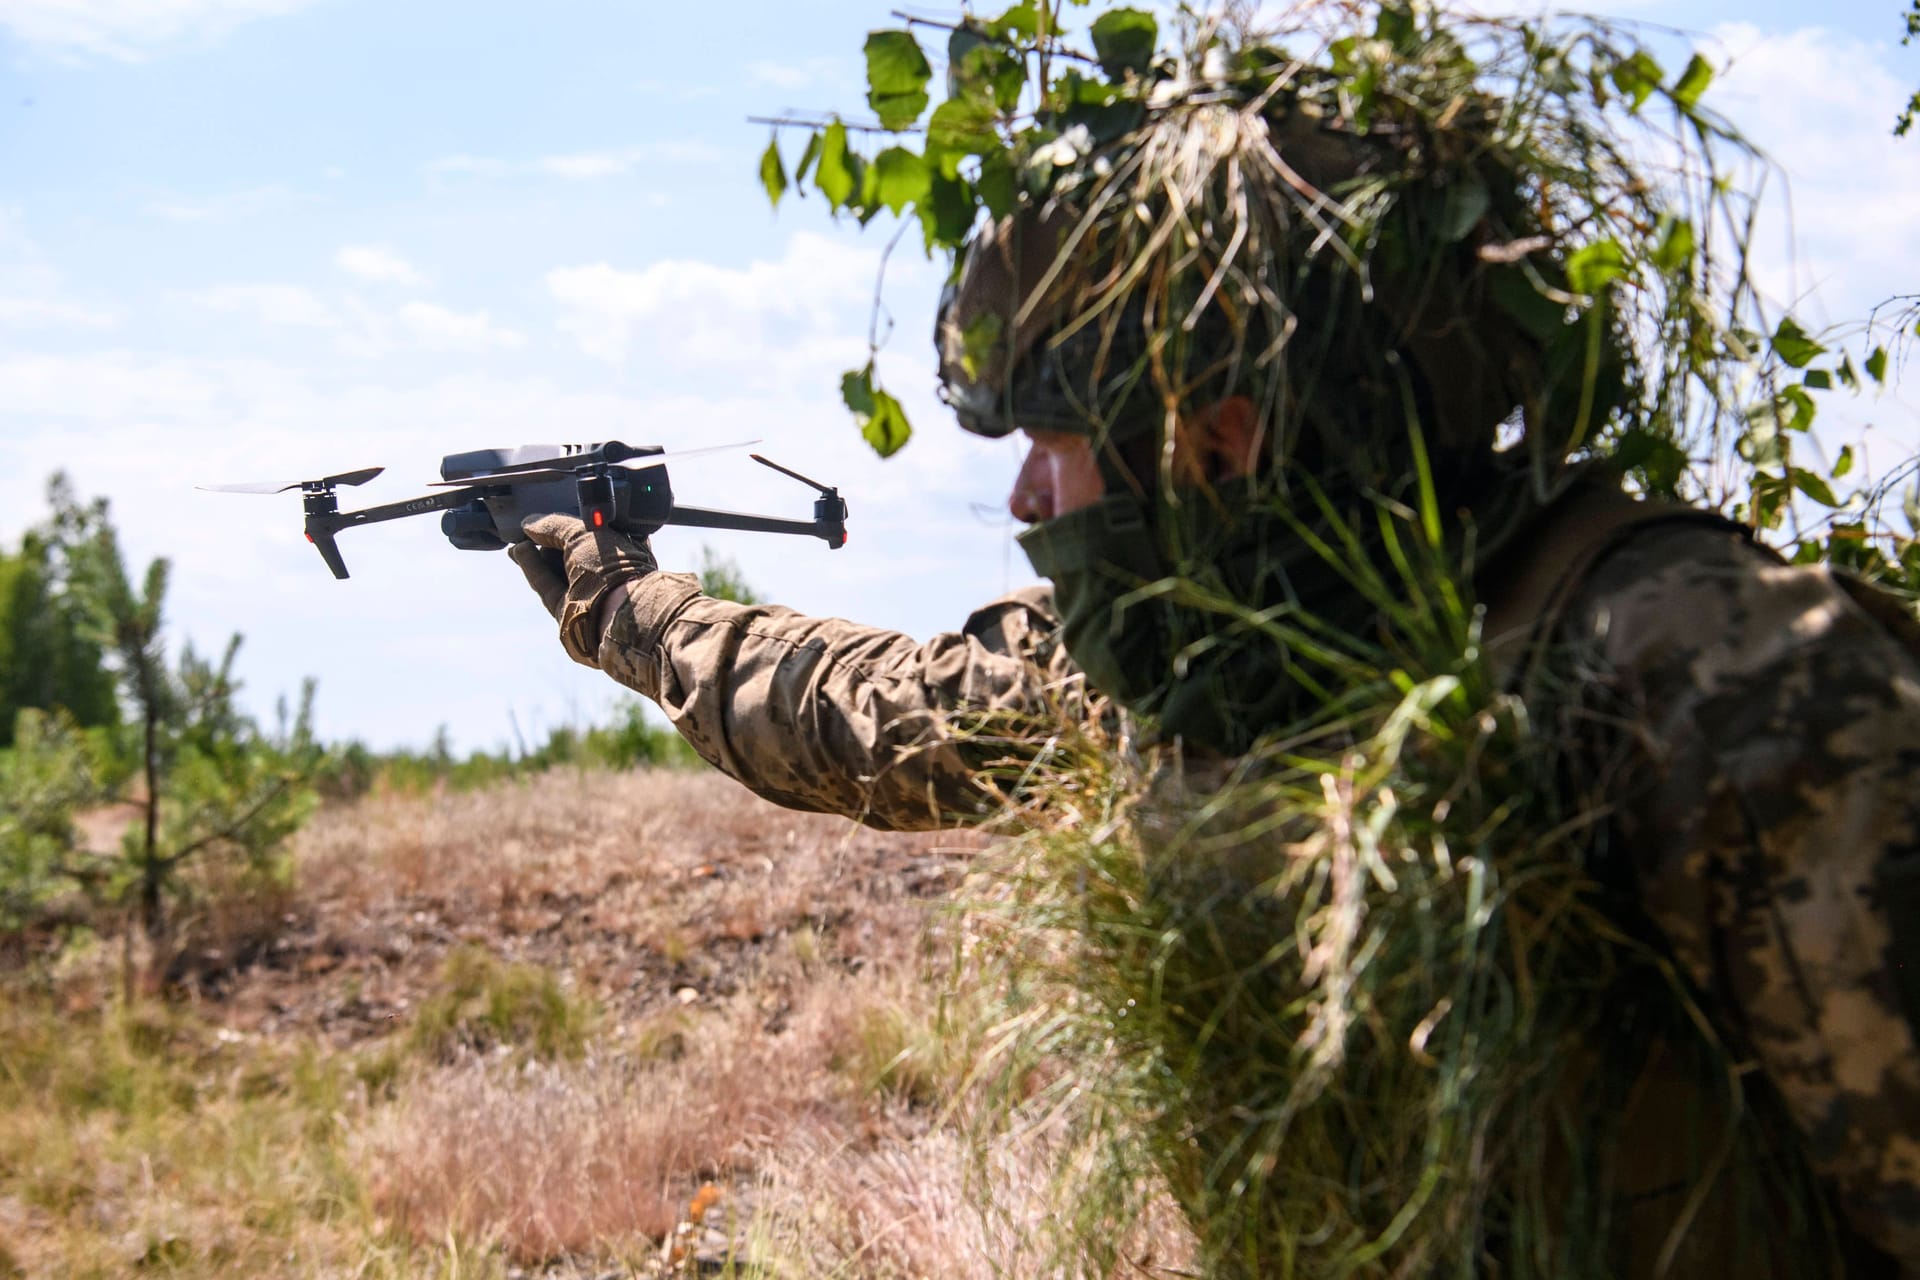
546	1160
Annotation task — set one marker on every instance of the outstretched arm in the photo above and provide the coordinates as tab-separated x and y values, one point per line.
813	713
825	714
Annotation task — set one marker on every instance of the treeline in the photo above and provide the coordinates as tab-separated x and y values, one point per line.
195	797
627	741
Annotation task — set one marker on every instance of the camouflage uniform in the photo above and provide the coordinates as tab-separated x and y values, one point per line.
1762	731
830	716
1756	730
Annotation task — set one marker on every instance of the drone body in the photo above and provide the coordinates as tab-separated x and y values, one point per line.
488	493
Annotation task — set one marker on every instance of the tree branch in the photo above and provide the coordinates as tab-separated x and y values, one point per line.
821	122
229	832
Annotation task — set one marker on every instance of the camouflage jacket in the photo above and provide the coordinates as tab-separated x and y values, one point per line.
1763	724
826	715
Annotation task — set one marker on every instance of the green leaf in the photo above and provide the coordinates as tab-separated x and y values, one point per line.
978	341
958	128
856	389
1592	267
1844	463
1801	408
1637	77
879	416
1693	81
1910	506
1848	378
988	72
1812	485
1818	380
900	178
997	187
1674	252
1877	365
1022	20
1123	40
808	158
1395	25
1538	315
1792	345
1658	459
946	215
888	429
897	74
773	174
1764	442
834	175
1466	204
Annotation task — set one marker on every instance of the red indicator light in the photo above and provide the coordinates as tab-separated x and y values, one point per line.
309	537
599	518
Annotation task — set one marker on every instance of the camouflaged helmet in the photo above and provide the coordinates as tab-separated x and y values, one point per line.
1002	366
1140	290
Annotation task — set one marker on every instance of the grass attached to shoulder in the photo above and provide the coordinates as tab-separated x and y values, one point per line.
1361	1007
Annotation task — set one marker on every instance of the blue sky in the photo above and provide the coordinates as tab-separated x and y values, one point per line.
248	239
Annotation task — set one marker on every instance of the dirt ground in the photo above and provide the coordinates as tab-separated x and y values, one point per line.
578	1024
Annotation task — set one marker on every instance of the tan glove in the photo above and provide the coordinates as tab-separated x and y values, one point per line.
572	569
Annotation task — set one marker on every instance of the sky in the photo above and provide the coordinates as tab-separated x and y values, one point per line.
273	239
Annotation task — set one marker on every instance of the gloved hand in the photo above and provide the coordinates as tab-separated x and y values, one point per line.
572	569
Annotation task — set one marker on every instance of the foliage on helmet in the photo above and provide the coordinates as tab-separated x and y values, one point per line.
1375	193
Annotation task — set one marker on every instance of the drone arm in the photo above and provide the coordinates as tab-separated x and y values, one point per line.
829	524
329	550
321	528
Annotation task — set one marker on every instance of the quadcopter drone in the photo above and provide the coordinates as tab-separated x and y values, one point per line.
611	485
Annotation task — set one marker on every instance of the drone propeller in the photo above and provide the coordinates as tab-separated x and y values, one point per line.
275	486
541	471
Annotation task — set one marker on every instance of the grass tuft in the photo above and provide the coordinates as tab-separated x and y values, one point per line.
485	1003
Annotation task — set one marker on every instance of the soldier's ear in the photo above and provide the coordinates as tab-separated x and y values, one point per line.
1232	439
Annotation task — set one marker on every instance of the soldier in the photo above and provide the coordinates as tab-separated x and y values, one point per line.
1755	726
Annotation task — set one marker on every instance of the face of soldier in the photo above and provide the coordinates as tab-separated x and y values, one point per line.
1060	474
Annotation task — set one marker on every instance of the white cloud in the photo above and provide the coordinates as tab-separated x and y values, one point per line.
592	164
33	294
378	265
702	313
445	330
475	166
579	166
129	30
275	304
796	75
52	313
224	206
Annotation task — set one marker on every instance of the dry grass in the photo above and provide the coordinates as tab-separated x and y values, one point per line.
603	1153
518	1031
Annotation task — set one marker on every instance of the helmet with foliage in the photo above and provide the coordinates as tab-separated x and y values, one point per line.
1363	268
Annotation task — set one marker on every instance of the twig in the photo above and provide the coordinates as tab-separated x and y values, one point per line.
1058	50
822	122
879	285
